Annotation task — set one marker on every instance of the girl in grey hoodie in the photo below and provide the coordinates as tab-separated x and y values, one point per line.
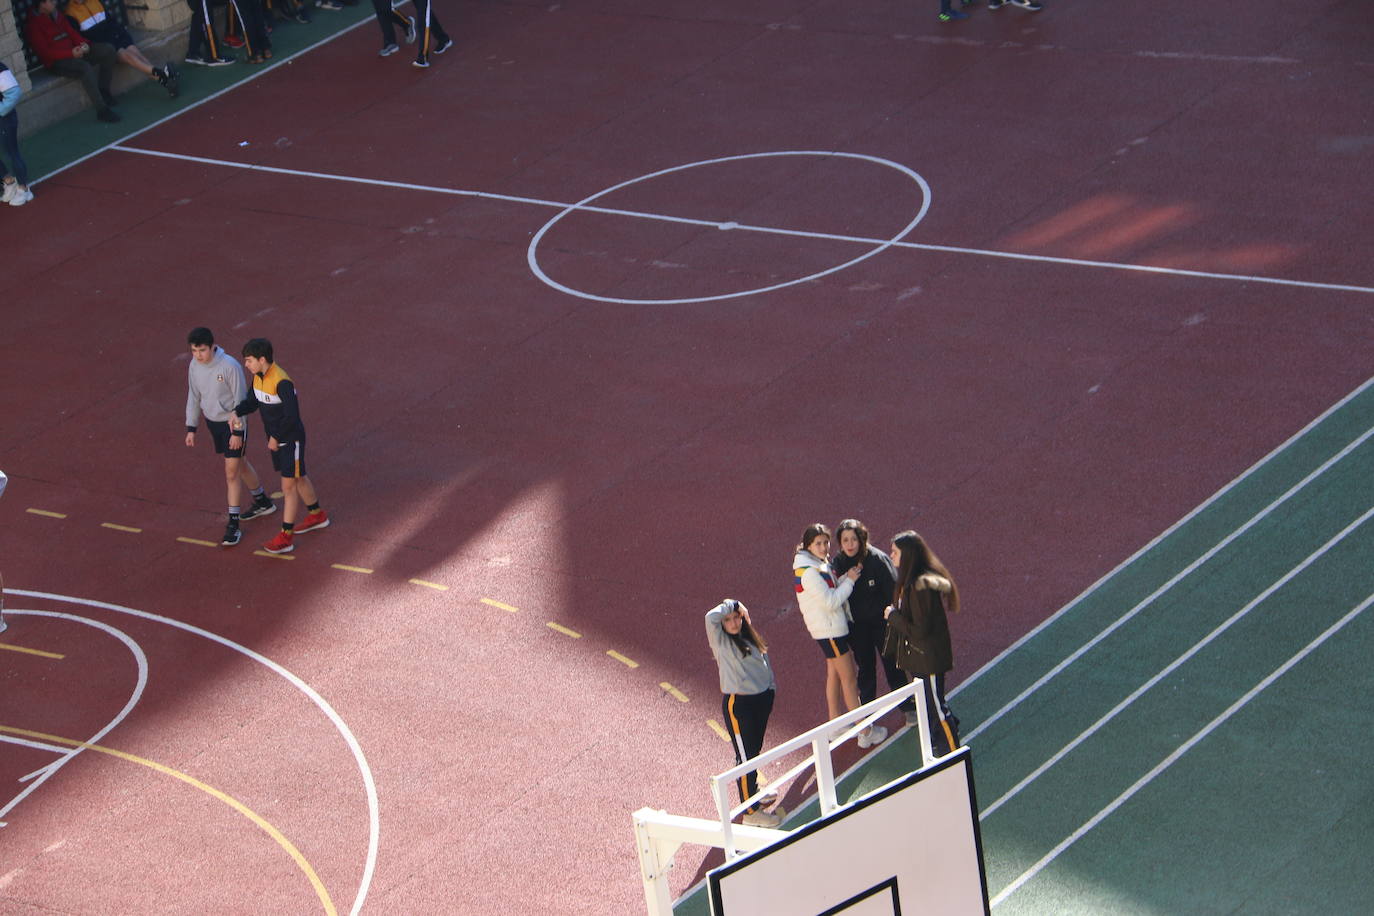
747	687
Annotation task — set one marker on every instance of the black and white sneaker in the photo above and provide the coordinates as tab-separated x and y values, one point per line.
411	34
258	510
232	535
443	46
1033	5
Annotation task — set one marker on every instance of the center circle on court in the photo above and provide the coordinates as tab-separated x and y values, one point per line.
587	205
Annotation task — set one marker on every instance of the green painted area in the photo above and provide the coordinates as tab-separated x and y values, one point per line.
1208	752
58	145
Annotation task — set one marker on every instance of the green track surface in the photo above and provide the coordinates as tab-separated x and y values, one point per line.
55	147
1193	778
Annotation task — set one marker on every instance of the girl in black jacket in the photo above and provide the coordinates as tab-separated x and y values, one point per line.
924	586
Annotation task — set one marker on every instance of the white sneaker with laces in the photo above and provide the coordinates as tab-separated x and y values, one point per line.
21	197
762	818
874	734
10	188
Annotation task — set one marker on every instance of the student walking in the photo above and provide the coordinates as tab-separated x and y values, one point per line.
432	34
924	586
747	686
825	611
387	20
215	386
274	396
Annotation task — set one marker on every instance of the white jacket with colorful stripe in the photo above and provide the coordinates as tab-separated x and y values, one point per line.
824	602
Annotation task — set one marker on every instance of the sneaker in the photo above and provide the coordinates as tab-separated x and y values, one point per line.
170	80
104	114
911	719
280	544
302	16
952	15
388	50
258	510
419	62
443	46
233	41
874	734
313	521
331	5
21	197
1033	5
232	535
996	4
411	34
209	61
11	189
762	818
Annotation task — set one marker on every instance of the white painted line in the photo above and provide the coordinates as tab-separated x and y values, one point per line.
1178	577
585	206
1182	749
1092	589
256	73
369	785
1176	663
140	684
36	745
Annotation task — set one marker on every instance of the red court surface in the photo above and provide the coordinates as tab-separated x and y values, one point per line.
618	448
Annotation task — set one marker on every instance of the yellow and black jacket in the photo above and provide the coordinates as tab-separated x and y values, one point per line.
274	396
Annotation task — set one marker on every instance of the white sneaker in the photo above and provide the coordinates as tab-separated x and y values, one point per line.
911	719
762	818
874	734
10	188
21	197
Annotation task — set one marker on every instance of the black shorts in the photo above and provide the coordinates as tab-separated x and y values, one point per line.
834	646
220	431
289	459
111	33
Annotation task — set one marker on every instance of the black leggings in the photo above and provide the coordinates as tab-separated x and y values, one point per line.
746	717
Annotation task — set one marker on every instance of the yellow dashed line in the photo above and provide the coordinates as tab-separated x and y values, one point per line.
564	630
113	527
46	514
501	605
198	542
38	652
229	800
275	556
628	662
674	692
434	585
719	730
346	568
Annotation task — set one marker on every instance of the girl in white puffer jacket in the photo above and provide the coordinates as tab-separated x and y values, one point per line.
824	608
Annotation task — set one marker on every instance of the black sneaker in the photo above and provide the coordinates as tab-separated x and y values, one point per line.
257	510
232	535
996	4
107	115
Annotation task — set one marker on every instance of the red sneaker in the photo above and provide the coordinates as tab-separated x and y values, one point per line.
233	41
312	521
280	544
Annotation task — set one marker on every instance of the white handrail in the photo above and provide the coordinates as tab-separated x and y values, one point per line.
658	835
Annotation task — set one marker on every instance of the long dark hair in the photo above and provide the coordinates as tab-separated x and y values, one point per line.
747	635
917	560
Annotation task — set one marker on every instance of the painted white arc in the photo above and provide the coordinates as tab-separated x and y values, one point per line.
369	784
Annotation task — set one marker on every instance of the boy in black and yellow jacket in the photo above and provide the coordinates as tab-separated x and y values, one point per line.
274	396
